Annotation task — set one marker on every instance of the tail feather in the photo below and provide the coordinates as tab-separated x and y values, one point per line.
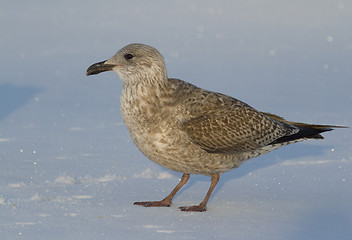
306	131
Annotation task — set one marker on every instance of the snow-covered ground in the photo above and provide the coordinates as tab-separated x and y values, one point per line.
68	169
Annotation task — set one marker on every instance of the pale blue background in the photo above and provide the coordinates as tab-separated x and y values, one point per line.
68	169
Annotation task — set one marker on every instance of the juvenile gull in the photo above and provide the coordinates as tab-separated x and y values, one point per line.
189	129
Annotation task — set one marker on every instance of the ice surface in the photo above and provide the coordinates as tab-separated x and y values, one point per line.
69	170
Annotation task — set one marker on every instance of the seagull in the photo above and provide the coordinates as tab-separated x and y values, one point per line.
191	130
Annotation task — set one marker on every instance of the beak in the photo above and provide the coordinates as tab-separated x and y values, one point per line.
99	67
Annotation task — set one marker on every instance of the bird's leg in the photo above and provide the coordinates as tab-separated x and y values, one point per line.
202	206
166	202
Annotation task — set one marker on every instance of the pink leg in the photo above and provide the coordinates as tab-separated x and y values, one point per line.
202	206
166	202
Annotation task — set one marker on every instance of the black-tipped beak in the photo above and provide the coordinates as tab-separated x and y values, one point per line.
99	67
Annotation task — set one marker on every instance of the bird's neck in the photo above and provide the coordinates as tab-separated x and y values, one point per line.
146	83
141	103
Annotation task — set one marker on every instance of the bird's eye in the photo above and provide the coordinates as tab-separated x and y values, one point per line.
128	56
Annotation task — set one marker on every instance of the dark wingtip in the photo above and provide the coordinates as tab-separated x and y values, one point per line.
307	131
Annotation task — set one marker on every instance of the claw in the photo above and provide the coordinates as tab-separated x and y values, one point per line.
153	204
196	208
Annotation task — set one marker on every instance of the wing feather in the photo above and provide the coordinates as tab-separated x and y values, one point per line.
232	126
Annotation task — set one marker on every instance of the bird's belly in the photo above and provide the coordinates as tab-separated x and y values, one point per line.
173	150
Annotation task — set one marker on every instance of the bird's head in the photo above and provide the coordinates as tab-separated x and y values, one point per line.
133	63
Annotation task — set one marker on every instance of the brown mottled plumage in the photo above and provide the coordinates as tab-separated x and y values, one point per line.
191	130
